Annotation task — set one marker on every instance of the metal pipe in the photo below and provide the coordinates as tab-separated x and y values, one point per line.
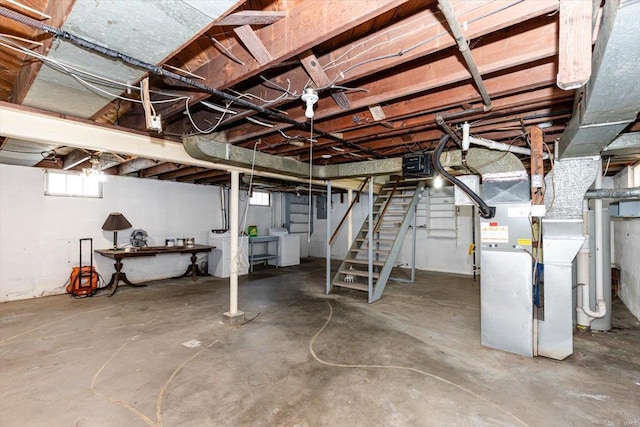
440	121
159	71
463	45
623	193
501	146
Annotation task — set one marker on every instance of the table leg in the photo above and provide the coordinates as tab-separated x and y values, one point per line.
193	269
118	276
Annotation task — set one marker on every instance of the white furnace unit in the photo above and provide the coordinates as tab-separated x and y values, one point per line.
288	247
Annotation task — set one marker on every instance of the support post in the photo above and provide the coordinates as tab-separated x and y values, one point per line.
349	220
370	251
328	279
233	315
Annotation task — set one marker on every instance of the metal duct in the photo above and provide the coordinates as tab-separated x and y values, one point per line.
627	144
612	97
566	185
483	161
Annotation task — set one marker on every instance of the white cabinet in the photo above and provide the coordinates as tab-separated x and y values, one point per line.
220	257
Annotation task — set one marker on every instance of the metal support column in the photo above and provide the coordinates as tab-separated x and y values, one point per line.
328	279
370	251
233	312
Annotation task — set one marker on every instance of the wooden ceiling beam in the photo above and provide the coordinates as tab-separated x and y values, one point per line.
75	158
393	39
386	43
528	46
158	169
190	170
527	80
58	10
203	175
304	27
132	166
252	17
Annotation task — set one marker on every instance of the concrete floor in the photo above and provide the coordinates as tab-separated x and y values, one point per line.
411	359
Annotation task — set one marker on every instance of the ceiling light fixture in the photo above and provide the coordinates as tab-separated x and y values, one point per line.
438	182
94	172
310	97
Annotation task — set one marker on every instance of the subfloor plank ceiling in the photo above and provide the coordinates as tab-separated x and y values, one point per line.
384	70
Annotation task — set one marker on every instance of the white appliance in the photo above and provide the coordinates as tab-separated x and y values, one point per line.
220	257
288	247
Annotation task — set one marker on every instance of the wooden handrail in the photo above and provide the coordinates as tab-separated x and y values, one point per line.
386	205
353	202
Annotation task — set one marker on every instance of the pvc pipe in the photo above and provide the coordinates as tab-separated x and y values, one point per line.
501	146
465	136
234	213
600	302
582	294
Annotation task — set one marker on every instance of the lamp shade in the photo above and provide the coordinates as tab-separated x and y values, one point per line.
116	221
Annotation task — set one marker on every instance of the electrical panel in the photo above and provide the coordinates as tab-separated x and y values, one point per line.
417	165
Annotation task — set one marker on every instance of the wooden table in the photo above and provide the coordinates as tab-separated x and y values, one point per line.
119	254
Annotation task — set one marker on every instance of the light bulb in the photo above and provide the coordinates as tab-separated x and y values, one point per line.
309	111
310	97
437	183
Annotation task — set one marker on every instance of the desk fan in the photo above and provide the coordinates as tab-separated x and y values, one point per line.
138	238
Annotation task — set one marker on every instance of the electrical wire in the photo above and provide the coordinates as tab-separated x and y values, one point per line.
212	128
415	25
75	73
401	368
225	50
485	210
553	176
159	71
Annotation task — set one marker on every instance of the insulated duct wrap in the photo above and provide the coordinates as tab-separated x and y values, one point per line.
483	161
566	185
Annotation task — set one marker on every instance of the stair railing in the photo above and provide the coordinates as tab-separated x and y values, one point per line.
353	202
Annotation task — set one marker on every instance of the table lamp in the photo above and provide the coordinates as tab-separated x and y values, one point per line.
116	221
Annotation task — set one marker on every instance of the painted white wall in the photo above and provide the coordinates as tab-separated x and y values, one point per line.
40	234
432	253
626	247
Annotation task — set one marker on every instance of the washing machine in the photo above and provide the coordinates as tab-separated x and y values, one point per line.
220	257
288	247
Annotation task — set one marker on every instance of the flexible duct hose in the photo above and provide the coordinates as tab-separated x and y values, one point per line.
485	210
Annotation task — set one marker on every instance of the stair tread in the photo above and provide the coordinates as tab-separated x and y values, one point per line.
359	273
362	261
376	240
380	251
356	286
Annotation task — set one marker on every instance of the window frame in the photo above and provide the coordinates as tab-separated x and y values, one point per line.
254	202
67	193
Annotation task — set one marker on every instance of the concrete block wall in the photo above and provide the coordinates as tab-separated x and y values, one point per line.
448	255
626	247
40	234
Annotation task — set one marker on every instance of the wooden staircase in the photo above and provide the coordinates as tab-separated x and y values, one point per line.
372	256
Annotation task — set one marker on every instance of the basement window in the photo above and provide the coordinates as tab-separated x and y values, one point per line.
72	184
260	198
